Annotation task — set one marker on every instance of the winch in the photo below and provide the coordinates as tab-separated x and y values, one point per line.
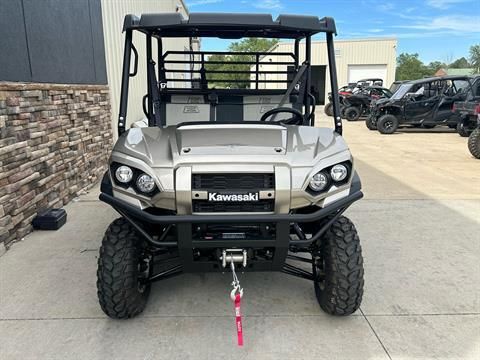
234	256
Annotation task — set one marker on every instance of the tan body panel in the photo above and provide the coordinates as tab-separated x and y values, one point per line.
171	155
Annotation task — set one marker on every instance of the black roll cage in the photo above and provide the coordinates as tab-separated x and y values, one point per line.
232	26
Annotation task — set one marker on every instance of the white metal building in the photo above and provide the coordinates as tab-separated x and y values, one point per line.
356	59
113	13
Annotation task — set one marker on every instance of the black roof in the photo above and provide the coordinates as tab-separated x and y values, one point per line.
370	79
377	87
229	25
438	78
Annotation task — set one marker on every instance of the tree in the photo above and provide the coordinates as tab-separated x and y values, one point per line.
461	63
434	66
247	46
475	58
410	67
252	45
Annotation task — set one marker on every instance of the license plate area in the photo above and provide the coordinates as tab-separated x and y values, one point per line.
233	232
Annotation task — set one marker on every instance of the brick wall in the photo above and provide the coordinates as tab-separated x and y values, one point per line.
54	143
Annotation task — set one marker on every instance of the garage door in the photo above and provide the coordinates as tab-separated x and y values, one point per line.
358	72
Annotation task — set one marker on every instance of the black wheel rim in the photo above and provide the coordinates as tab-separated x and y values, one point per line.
318	269
144	272
388	125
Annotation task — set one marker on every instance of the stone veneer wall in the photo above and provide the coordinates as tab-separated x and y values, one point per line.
54	143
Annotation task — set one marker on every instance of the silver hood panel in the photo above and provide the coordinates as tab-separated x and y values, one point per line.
172	154
296	146
231	139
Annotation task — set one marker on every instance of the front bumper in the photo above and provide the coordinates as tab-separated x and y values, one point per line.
186	243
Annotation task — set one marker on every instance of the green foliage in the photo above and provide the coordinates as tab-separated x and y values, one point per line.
245	45
475	58
434	66
461	63
410	67
252	44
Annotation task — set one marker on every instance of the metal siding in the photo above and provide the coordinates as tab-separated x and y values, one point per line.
113	13
53	41
59	37
349	52
14	62
98	47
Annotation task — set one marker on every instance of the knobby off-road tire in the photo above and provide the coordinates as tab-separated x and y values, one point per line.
370	123
120	291
328	109
341	290
474	143
462	130
352	113
387	124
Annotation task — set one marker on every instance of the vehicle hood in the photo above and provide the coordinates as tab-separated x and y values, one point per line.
382	102
175	146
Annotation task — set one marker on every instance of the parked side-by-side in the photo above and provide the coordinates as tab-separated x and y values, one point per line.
421	103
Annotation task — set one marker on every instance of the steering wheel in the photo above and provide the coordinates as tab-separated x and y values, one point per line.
297	118
412	98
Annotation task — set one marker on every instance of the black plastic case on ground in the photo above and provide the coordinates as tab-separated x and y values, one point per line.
52	219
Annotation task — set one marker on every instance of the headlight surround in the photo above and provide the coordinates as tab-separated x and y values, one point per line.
319	181
145	183
339	172
334	175
124	174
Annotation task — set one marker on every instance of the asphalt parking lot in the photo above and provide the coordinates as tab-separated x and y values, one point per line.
420	228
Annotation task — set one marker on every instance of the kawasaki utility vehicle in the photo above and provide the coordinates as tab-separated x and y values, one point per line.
359	103
468	109
229	176
469	124
421	103
349	89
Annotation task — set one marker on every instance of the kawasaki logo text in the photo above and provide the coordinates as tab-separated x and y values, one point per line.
233	197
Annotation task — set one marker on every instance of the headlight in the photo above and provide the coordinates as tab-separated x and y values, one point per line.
124	174
145	183
319	181
339	172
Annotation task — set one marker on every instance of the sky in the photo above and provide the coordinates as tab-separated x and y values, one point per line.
438	30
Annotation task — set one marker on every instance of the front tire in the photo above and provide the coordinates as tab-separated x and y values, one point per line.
339	269
387	124
474	143
328	109
122	272
371	123
352	113
462	130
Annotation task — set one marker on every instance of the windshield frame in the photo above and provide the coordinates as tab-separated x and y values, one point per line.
401	91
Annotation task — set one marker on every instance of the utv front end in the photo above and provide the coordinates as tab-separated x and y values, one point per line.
223	178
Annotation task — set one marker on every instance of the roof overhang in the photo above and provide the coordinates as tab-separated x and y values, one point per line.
229	25
441	78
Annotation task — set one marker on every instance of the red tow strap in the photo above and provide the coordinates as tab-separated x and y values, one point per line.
238	320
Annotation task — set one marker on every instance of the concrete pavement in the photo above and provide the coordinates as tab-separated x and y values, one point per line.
419	225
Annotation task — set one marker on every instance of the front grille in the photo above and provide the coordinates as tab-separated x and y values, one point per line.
253	182
204	206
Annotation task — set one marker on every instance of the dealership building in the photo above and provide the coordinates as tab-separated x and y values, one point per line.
60	74
355	58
